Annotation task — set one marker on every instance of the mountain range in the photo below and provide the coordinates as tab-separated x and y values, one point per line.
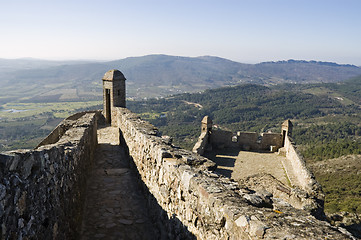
36	80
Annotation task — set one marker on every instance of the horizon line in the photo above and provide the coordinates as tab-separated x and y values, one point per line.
56	59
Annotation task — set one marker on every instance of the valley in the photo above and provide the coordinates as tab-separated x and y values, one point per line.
153	76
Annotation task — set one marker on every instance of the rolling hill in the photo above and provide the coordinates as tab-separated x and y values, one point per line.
29	80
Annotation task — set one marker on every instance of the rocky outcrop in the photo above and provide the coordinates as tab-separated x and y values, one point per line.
190	201
42	190
350	221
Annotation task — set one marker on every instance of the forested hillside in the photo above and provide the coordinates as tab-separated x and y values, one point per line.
31	80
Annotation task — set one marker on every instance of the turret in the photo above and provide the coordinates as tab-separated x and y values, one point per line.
113	92
287	127
206	124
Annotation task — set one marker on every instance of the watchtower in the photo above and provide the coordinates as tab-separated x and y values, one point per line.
113	92
287	127
207	124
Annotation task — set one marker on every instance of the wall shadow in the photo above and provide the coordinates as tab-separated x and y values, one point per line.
165	227
355	230
224	172
224	158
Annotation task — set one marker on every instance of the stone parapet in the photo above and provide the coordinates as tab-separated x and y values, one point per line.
301	176
271	139
221	139
193	202
41	190
305	178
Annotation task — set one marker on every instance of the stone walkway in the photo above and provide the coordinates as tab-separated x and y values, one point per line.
114	207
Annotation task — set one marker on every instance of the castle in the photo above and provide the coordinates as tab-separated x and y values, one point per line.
47	192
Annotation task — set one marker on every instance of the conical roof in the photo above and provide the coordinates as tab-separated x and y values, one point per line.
114	75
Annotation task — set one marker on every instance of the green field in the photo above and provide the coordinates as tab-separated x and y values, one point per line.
12	111
24	125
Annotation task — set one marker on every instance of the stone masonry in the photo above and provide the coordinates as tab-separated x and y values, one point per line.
42	190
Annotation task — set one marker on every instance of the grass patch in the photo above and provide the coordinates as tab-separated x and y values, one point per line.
343	192
13	111
152	115
320	91
24	125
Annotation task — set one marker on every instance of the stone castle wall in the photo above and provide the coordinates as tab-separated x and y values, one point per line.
271	139
305	193
59	131
297	165
243	140
190	201
247	140
41	190
221	139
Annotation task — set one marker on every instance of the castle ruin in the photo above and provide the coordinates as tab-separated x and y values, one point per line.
292	181
53	191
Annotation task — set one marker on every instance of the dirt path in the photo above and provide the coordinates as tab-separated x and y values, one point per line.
242	164
197	105
114	207
251	163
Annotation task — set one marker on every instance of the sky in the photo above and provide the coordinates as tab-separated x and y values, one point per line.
248	31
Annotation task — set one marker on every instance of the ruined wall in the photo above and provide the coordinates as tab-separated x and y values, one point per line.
247	140
221	139
41	191
271	139
193	202
295	165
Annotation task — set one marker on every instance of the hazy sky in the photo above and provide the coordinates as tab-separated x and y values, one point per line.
242	30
